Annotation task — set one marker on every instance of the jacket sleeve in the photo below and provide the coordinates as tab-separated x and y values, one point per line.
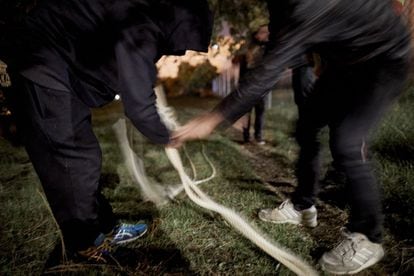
136	76
259	81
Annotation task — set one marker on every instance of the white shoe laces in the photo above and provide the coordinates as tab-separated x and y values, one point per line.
348	247
283	204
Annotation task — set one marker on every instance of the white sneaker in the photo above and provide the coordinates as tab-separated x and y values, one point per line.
260	142
286	213
353	254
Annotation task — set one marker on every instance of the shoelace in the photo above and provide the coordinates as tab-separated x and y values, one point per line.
284	203
348	247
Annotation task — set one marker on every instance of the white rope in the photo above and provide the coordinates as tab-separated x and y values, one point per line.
158	195
193	169
151	191
172	193
290	260
154	192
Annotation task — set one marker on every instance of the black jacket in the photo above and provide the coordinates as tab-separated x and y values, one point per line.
344	32
98	48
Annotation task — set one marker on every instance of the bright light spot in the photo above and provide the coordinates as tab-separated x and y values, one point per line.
215	47
117	97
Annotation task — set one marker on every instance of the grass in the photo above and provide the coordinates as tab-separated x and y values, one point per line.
394	153
186	240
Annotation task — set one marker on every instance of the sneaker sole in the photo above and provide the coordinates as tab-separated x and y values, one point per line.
132	239
311	224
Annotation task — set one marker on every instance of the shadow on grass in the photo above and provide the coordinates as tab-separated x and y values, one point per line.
396	152
136	258
399	215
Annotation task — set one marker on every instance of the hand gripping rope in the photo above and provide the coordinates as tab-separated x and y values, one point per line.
156	193
284	256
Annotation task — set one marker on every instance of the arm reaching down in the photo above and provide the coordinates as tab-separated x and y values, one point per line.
199	128
137	74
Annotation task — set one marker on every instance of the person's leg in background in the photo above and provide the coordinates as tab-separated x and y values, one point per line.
246	121
310	98
312	118
308	164
259	113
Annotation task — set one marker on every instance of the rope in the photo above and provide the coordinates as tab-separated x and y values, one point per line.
155	194
174	192
291	261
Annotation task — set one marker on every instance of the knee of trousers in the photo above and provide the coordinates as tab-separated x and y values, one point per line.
348	152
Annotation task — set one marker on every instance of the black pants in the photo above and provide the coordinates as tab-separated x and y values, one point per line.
350	101
57	133
259	116
303	80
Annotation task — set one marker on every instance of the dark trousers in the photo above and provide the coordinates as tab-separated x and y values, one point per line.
350	101
303	80
57	133
259	116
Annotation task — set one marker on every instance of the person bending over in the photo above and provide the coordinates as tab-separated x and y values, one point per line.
71	56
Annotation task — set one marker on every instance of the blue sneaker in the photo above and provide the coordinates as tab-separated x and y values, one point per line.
125	233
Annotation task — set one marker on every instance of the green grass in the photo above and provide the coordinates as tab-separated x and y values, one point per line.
27	232
394	153
185	239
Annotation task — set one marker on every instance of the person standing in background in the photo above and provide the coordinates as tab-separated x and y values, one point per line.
249	61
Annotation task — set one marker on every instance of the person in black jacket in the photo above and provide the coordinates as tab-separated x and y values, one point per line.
365	46
73	55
